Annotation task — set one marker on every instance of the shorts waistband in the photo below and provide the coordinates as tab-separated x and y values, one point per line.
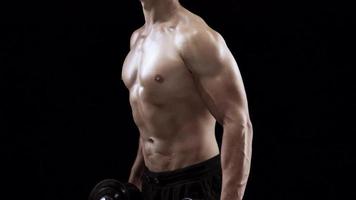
208	167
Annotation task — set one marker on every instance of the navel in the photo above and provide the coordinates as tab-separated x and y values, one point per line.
159	78
171	28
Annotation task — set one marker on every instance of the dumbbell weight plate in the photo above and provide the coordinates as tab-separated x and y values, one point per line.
108	189
111	189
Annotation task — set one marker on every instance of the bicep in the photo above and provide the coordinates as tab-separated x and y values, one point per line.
218	79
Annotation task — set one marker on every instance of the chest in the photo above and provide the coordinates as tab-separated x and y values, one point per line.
155	67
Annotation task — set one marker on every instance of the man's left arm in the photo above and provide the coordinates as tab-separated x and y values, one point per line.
219	83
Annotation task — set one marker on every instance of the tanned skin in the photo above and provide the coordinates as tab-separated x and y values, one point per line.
182	79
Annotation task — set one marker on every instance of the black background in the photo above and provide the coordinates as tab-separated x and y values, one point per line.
66	121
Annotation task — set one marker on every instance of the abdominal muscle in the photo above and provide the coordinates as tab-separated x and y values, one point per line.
175	139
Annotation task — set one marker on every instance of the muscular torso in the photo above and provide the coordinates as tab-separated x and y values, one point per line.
176	128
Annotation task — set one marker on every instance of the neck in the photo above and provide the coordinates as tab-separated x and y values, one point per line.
158	10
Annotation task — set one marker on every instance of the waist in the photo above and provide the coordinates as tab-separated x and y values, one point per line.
161	155
189	173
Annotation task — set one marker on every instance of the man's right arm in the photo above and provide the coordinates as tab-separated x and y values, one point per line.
137	168
138	165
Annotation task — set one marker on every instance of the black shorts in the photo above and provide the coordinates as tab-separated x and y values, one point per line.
200	181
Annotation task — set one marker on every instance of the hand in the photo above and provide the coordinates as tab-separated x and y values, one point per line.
137	182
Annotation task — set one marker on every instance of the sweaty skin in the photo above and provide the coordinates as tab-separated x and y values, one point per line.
182	78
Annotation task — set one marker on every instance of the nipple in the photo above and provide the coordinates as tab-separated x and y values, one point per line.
159	78
150	140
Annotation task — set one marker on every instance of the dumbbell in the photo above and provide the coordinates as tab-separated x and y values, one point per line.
111	189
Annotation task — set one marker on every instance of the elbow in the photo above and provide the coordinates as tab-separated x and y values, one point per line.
250	129
239	122
246	126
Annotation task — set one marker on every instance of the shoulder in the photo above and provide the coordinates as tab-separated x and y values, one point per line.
202	43
203	49
196	34
134	36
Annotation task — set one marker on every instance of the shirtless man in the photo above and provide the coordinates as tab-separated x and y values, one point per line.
182	78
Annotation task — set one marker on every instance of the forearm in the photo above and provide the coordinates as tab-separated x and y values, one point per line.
137	169
236	154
